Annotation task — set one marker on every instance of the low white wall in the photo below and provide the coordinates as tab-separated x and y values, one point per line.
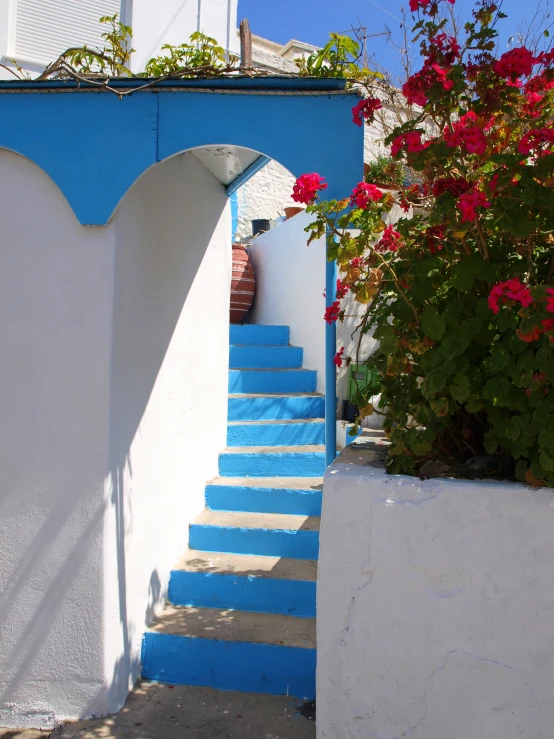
435	607
114	356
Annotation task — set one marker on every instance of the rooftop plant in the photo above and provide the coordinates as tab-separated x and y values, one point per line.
461	295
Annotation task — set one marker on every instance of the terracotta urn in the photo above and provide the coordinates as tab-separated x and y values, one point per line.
292	211
243	283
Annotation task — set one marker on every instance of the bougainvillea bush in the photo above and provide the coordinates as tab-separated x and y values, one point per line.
460	290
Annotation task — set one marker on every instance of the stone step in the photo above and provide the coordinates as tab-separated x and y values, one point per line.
275	406
268	534
245	582
299	496
259	334
273	461
272	381
258	357
289	432
232	650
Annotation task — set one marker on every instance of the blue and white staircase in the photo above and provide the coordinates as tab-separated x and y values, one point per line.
242	613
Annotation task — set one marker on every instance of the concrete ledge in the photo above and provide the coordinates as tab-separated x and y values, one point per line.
435	615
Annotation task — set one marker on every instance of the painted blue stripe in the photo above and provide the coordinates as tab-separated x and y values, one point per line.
227	665
263	500
276	434
234	200
272	464
253	333
243	593
272	381
274	408
272	543
289	357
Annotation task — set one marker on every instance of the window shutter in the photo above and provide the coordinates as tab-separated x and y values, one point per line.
46	28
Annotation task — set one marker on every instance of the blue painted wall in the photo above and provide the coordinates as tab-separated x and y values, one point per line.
94	145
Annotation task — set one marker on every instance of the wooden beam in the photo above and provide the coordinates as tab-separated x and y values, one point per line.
245	44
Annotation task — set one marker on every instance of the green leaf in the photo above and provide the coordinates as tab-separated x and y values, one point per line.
432	323
491	442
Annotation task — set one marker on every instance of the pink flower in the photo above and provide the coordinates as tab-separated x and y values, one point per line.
306	187
391	240
515	63
510	290
342	289
536	141
337	359
465	133
550	300
365	109
332	312
410	141
416	89
468	203
364	193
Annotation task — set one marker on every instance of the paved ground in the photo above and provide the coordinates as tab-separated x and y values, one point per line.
155	711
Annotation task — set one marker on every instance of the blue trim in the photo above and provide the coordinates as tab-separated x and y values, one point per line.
263	500
276	434
272	464
256	334
279	407
227	665
268	542
248	173
330	368
243	593
265	357
271	84
234	200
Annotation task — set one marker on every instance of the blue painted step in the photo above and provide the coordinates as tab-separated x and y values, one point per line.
272	381
245	583
276	433
259	334
274	407
252	667
258	357
301	497
308	461
273	535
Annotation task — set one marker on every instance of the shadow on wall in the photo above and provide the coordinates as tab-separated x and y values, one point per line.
97	398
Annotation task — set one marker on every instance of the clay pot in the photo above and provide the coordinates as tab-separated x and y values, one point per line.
243	283
292	211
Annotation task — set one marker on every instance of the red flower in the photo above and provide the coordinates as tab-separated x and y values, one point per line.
332	312
454	185
365	109
337	359
510	290
550	300
466	133
515	63
468	203
417	4
536	141
306	187
531	335
341	289
447	46
410	141
363	194
391	240
416	89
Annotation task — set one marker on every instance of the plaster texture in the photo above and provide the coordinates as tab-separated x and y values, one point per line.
106	448
434	605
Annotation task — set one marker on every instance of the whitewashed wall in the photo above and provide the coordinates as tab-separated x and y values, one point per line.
112	423
435	612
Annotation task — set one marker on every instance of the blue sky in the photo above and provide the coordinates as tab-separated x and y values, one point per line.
313	20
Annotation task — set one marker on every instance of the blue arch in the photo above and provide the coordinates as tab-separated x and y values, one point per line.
95	146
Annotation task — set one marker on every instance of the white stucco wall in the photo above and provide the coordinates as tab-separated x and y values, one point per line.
290	285
435	612
113	420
